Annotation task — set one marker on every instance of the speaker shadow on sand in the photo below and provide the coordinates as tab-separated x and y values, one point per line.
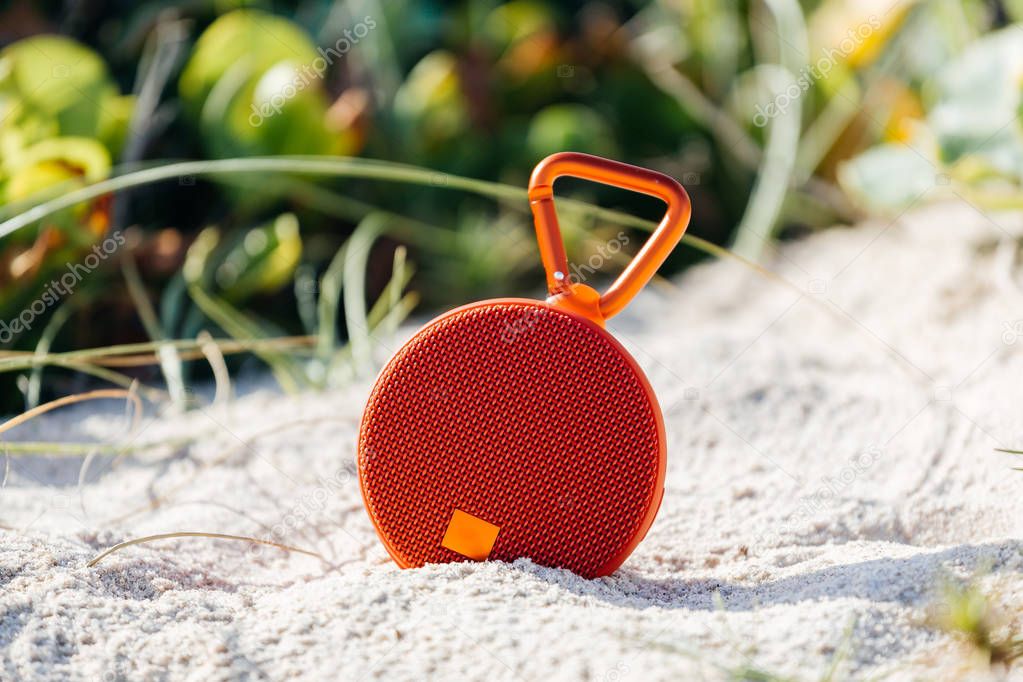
908	581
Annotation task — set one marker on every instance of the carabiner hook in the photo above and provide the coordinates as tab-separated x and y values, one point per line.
673	225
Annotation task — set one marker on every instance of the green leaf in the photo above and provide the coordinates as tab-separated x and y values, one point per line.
570	126
62	78
115	119
975	102
56	164
431	100
267	99
251	35
263	261
297	123
515	21
888	178
86	156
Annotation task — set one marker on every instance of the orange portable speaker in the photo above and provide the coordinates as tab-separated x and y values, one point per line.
518	428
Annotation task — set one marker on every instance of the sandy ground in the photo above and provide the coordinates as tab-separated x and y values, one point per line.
831	463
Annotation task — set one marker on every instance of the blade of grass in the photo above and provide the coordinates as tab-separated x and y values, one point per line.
233	321
115	378
775	173
1011	452
305	290
350	167
133	411
821	134
327	305
170	361
238	325
146	359
756	228
99	394
173	303
734	139
65	449
399	312
11	361
409	230
853	99
789	34
354	289
379	56
401	275
346	273
343	358
49	333
221	376
426	235
197	534
240	447
387	312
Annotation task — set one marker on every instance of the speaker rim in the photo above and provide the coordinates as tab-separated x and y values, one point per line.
657	492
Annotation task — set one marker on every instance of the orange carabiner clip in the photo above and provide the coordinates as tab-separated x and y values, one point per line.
576	296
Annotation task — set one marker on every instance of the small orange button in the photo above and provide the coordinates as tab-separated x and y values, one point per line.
470	536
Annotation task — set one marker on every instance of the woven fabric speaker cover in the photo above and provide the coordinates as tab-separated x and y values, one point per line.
532	419
517	428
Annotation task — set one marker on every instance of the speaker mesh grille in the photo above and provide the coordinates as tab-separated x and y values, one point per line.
523	416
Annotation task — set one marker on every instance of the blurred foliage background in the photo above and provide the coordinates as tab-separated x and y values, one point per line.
779	116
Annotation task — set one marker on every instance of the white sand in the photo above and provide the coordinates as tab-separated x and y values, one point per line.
830	462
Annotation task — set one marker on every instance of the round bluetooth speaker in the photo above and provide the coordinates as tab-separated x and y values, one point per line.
518	428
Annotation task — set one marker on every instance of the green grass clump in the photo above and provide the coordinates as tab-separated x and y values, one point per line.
990	633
